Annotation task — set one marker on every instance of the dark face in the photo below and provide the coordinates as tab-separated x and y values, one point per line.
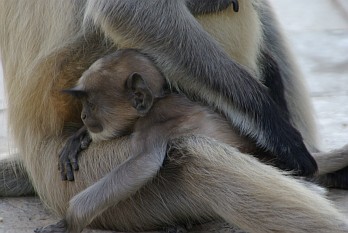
108	113
115	91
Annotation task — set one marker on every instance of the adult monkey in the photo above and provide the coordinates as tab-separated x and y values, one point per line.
217	81
44	51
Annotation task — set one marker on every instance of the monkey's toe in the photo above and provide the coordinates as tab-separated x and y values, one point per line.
59	227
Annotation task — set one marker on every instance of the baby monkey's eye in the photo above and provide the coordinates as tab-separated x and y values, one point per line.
90	104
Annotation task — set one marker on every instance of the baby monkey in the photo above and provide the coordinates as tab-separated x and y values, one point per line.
125	94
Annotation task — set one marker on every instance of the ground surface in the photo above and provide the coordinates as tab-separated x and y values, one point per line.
318	32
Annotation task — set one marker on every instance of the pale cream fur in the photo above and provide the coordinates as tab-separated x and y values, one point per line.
234	34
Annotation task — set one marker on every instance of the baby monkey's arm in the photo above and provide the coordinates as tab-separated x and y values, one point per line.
123	181
68	155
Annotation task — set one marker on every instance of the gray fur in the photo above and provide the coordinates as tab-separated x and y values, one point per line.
14	180
232	89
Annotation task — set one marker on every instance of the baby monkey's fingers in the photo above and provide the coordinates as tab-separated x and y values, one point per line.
69	171
65	168
68	161
61	169
68	156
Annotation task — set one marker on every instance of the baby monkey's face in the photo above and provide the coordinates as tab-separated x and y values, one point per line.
107	114
115	91
107	109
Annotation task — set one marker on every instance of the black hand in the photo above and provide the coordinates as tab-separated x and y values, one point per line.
68	156
235	5
68	159
198	7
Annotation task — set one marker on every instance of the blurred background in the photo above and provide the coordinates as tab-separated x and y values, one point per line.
4	142
317	32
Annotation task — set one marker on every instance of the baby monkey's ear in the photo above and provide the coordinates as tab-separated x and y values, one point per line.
76	91
141	95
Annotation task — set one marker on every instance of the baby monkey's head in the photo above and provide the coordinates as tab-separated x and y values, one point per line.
115	91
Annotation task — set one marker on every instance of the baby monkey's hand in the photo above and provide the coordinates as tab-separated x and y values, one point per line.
68	155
